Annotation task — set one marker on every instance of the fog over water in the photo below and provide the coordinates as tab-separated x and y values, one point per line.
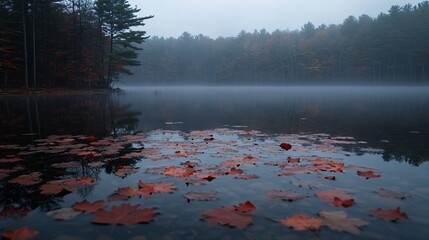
226	18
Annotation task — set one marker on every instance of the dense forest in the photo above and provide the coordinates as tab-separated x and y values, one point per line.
67	43
391	48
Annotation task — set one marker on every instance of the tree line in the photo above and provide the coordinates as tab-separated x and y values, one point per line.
390	48
67	43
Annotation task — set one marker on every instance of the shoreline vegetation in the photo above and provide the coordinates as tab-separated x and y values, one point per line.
90	45
21	91
72	44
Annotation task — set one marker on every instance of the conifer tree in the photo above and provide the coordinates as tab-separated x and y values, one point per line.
118	20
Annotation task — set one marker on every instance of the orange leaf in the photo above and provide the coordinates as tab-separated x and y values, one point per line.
302	222
20	234
336	197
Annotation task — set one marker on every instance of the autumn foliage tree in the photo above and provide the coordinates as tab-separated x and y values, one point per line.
391	48
66	41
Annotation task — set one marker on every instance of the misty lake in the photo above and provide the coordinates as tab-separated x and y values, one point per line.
217	163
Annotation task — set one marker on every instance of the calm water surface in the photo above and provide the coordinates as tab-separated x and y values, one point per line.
387	130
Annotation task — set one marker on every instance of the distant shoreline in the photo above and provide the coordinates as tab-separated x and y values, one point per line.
16	91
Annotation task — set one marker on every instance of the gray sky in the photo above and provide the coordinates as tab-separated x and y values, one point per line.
228	17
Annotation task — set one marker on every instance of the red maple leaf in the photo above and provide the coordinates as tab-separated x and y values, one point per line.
368	174
132	192
234	216
125	214
55	187
89	207
336	197
20	234
302	222
245	207
286	146
389	214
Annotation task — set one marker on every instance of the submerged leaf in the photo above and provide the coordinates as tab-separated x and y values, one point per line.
389	214
392	194
125	214
340	222
284	195
302	222
63	213
200	196
158	187
236	216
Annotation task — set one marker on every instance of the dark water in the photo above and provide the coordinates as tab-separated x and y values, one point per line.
391	124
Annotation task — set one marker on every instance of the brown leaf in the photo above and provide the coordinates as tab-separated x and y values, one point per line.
55	187
200	196
10	160
132	192
336	197
65	164
29	179
125	214
20	234
392	194
302	222
284	195
246	176
340	222
389	214
88	207
124	171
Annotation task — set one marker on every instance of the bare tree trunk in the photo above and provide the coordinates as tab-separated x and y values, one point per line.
34	45
24	30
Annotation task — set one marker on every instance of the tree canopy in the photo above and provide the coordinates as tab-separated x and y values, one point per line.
392	48
68	43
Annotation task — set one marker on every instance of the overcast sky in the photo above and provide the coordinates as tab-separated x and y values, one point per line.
228	17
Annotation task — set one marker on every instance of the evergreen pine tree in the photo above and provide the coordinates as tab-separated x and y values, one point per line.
119	21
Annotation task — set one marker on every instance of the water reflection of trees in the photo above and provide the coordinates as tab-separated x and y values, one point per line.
41	116
371	116
26	119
